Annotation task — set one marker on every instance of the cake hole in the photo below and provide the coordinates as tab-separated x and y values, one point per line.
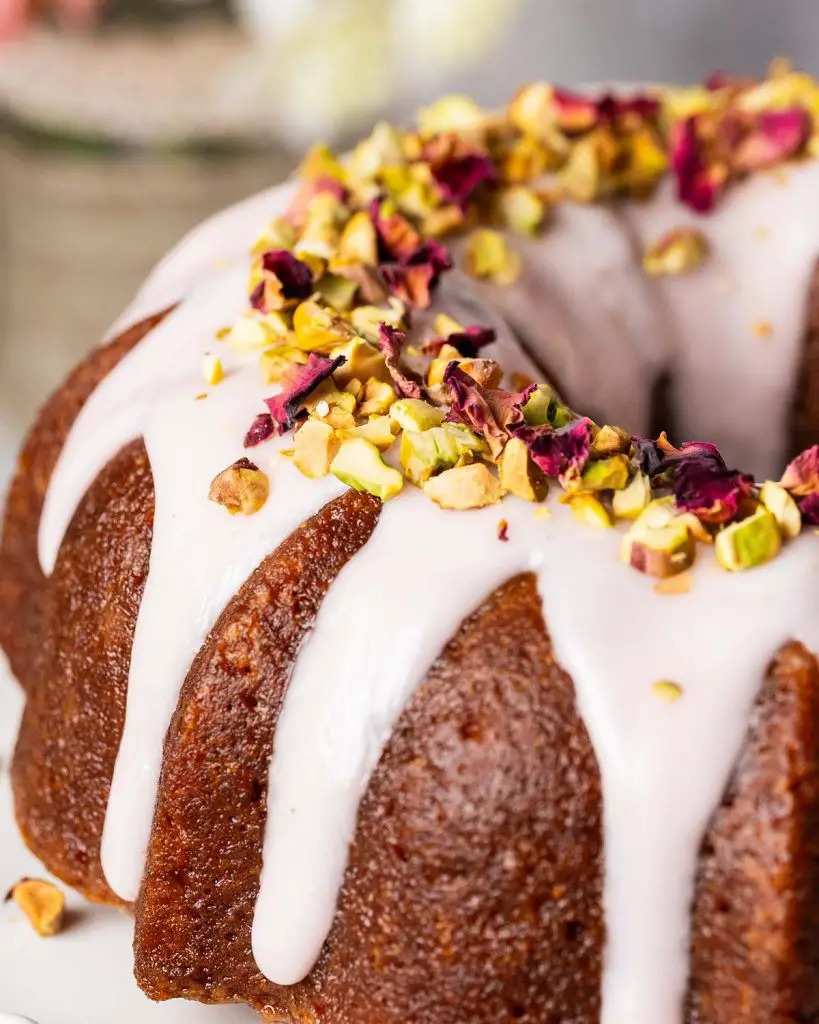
256	790
573	930
517	1012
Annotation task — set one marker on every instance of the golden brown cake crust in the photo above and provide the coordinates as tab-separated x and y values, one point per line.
473	891
21	580
755	953
74	714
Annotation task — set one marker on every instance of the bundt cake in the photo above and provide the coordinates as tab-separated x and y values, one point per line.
451	705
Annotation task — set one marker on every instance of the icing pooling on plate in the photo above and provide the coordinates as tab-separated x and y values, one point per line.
579	286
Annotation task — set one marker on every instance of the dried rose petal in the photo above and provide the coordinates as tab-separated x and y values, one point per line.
468	342
724	80
575	113
296	384
470	406
555	452
260	430
391	341
398	240
698	185
415	282
702	483
457	169
648	456
801	477
809	507
776	136
286	280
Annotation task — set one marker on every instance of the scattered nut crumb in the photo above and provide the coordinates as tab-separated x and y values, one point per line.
763	328
201	397
679	584
667	690
543	513
242	487
761	234
212	369
42	903
503	530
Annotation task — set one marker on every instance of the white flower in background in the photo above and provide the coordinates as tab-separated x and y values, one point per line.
325	65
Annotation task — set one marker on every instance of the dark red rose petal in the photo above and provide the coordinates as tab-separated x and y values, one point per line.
297	383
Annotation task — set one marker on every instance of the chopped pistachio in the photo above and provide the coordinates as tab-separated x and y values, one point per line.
464	487
424	453
588	509
241	488
750	542
321	162
659	543
378	398
318	329
521	209
444	325
452	114
784	509
414	414
611	441
437	368
363	361
678	251
212	369
355	388
609	474
533	112
328	396
279	234
667	690
277	360
633	499
366	320
359	465
518	473
380	430
253	332
383	149
337	291
674	585
359	242
42	903
315	447
489	257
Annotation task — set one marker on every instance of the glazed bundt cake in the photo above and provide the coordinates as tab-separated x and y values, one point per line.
379	683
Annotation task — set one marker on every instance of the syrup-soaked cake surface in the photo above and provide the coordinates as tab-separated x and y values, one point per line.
275	722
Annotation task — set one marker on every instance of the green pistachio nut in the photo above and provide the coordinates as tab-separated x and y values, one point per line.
606	474
359	465
415	414
633	499
783	508
750	542
518	473
589	510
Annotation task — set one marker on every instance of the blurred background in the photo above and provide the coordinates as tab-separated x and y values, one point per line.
125	122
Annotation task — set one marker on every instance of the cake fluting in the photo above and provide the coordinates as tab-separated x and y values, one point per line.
440	747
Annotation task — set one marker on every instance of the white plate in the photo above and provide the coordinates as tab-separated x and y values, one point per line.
85	974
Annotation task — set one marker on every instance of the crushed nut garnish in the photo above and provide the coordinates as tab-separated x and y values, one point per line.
241	488
503	530
212	370
42	903
763	329
667	690
679	251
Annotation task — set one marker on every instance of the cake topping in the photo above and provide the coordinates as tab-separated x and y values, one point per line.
42	903
241	488
679	251
667	690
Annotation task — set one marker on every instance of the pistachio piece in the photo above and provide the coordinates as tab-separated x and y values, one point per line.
444	325
667	690
314	448
428	452
659	543
359	242
414	414
446	355
452	114
363	361
366	320
318	329
633	499
337	291
242	487
606	474
253	332
359	465
611	441
42	903
279	234
784	509
521	209
490	257
378	398
518	473
380	430
588	509
750	542
464	487
679	251
212	369
276	361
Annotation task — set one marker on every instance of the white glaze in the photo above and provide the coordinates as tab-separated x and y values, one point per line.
606	331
